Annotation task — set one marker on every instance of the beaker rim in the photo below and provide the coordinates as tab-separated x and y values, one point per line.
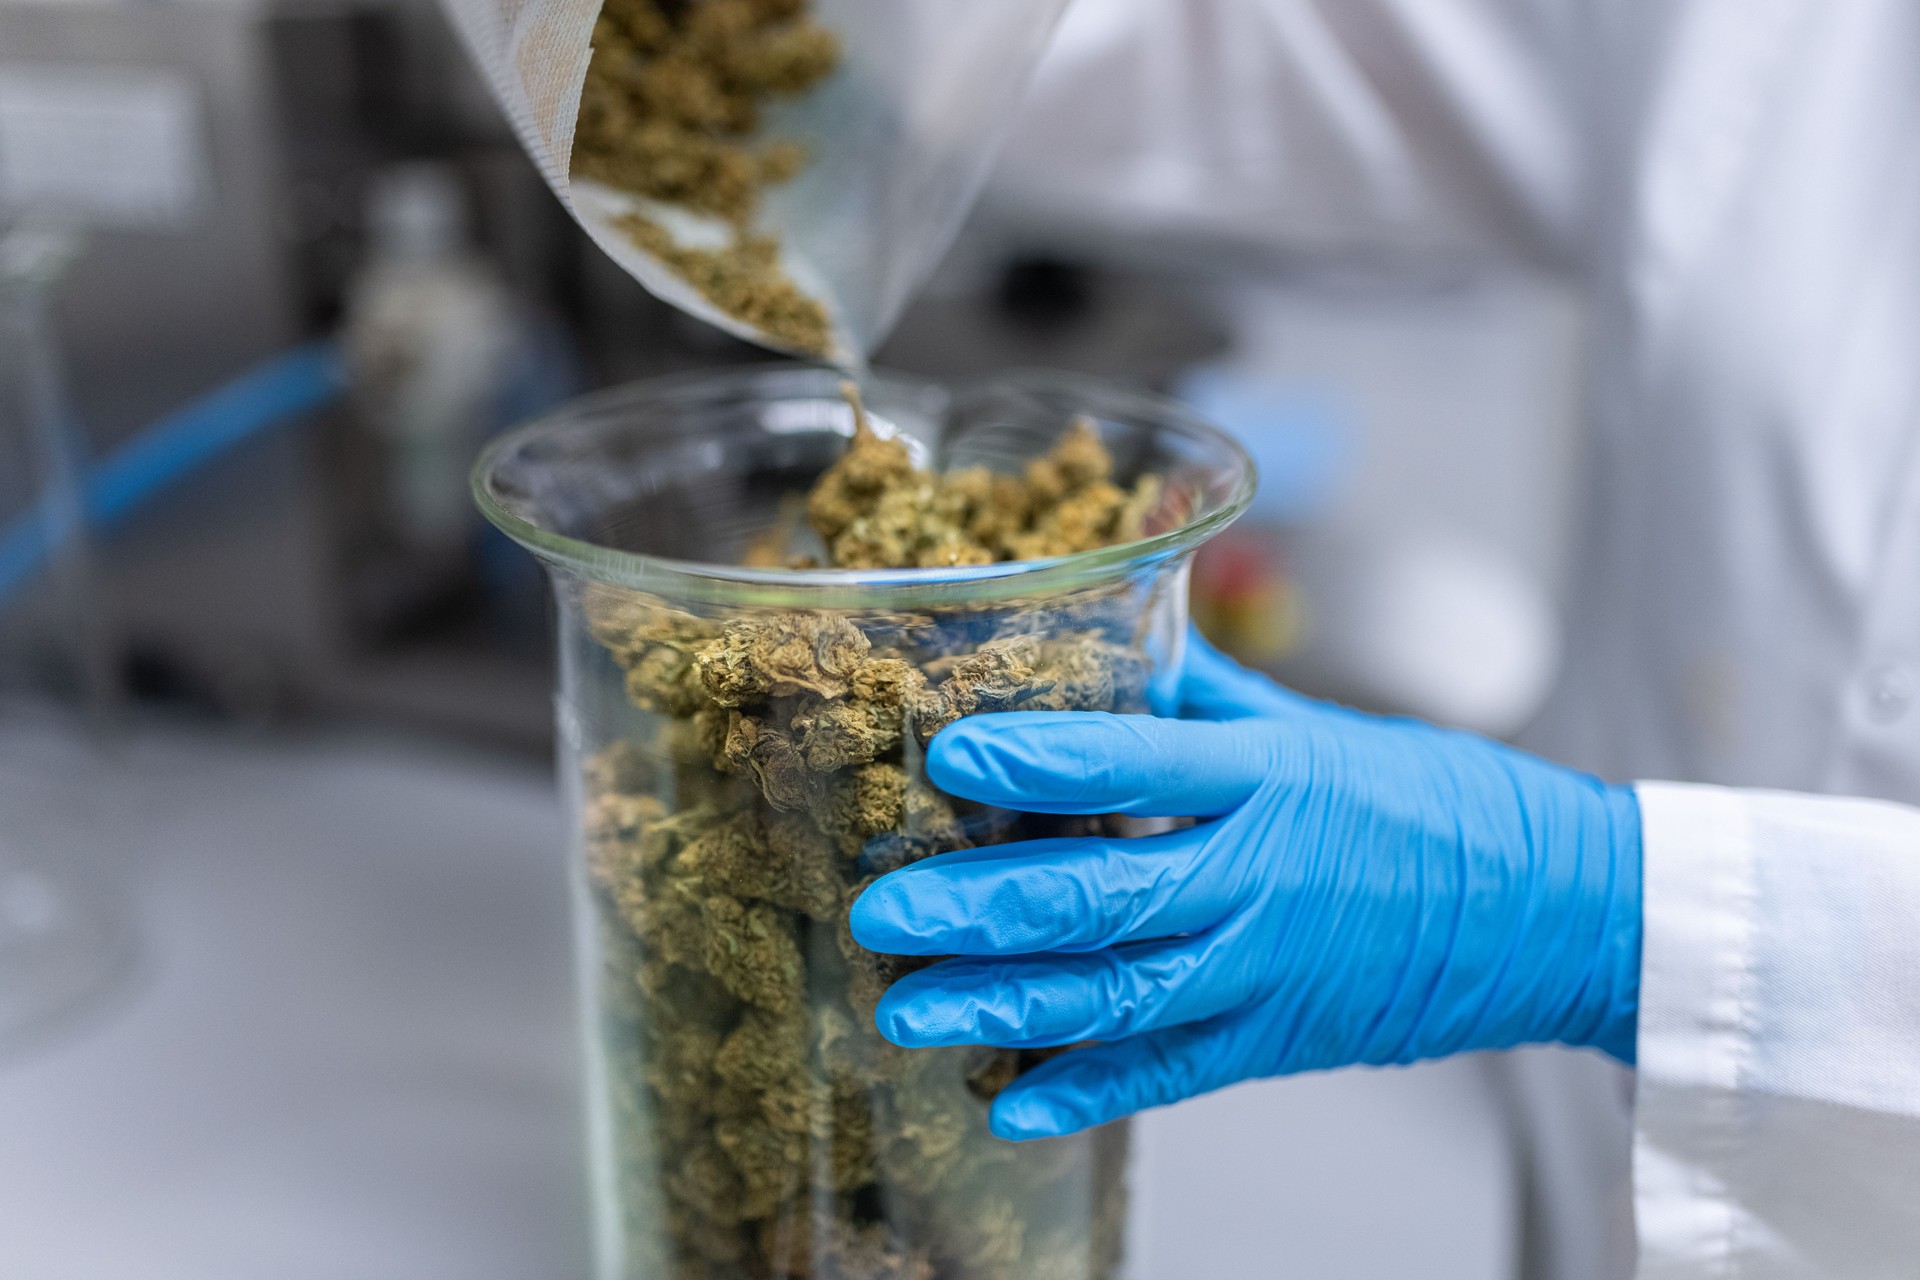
972	585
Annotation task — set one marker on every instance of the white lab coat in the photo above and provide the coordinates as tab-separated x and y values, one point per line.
1737	184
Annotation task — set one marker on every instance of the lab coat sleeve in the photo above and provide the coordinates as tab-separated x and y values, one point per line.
1312	126
1777	1116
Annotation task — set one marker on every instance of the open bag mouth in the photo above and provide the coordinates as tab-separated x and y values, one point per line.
636	485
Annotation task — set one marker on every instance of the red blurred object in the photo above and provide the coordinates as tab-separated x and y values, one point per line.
1244	598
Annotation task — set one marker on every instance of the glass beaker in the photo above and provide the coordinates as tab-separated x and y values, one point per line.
743	747
65	938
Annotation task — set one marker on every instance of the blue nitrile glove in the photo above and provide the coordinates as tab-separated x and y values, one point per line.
1365	890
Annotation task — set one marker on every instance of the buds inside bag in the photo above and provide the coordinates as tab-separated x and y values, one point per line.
787	169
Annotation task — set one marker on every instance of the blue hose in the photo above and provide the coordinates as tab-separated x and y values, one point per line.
272	392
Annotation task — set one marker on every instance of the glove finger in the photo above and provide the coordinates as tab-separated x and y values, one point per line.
1104	1082
1062	997
1215	687
1095	762
1050	895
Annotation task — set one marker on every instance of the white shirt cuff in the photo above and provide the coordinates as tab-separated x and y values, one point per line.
1777	1110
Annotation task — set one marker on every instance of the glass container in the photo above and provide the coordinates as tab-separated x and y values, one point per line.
66	939
743	752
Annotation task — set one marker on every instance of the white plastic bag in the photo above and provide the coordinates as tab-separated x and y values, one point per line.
900	136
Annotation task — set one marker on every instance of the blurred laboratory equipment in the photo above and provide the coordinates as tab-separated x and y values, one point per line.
1000	302
174	135
48	532
62	939
1246	595
429	334
441	354
220	156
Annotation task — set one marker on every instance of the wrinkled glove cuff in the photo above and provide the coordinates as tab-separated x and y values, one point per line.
1608	1017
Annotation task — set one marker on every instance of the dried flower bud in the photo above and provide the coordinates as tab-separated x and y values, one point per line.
758	748
1078	460
780	656
862	802
836	733
999	676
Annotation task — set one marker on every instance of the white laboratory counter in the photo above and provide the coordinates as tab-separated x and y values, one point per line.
348	1051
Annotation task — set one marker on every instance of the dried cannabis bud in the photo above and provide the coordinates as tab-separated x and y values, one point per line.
765	1128
743	279
789	654
875	510
674	93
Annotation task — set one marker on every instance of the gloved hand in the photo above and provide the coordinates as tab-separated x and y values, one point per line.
1363	890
